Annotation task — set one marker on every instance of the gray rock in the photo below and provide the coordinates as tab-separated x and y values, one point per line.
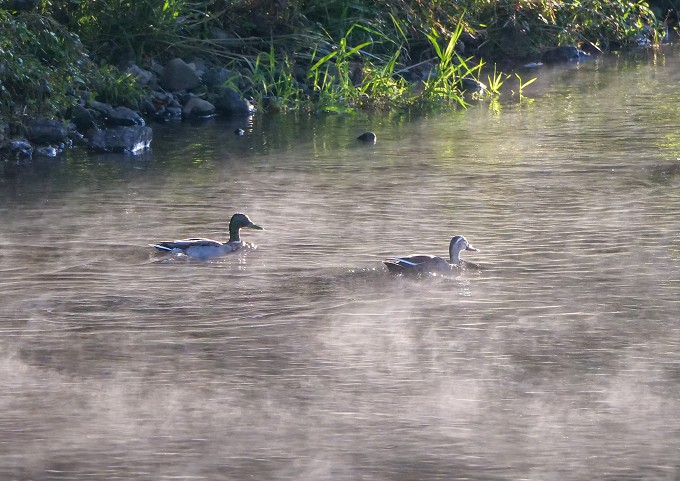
367	137
46	131
471	85
115	116
104	110
121	139
84	119
162	106
16	150
178	75
197	107
199	66
142	76
229	102
47	151
216	76
124	116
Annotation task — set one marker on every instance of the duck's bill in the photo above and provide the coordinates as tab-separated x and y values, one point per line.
470	248
255	226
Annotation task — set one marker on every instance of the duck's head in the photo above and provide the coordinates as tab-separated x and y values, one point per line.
241	220
458	244
237	222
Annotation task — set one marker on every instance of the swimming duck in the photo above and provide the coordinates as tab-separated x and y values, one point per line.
206	248
420	264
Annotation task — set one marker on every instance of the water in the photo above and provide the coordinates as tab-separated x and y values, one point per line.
558	359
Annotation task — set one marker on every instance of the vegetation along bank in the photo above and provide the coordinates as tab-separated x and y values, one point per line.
98	73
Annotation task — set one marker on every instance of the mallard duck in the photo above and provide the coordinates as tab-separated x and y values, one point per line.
420	264
206	248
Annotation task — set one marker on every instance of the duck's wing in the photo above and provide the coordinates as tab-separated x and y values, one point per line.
416	263
184	244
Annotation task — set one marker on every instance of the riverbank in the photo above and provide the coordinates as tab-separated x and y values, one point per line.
97	74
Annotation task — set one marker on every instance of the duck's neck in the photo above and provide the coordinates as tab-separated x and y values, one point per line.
454	257
234	234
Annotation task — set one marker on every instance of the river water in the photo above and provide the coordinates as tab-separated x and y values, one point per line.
558	358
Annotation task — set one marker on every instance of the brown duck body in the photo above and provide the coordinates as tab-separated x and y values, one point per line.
423	264
417	264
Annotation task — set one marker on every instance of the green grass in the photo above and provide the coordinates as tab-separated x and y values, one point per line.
325	56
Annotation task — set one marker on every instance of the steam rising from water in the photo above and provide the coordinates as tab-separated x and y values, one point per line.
304	359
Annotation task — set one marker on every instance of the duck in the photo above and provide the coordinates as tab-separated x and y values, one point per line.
207	248
423	264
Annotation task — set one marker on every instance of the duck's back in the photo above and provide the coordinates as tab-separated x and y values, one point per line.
416	264
187	243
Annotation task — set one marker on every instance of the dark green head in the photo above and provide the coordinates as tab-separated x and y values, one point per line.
237	222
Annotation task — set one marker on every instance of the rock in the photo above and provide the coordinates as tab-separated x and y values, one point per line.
198	65
565	53
84	119
197	107
46	131
367	137
156	68
16	151
74	136
115	116
142	76
47	151
178	75
162	107
130	139
124	116
229	102
216	76
103	110
471	85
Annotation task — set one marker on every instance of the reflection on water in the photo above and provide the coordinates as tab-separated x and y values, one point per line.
558	359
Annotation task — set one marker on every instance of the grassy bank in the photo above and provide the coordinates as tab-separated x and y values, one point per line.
335	55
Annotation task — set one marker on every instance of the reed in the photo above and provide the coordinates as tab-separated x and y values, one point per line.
334	56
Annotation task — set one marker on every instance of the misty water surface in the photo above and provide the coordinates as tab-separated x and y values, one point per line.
558	359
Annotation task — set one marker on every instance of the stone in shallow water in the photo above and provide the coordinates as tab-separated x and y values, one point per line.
196	107
229	102
367	137
130	139
46	131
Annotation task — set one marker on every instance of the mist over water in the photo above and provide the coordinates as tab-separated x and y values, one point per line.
557	359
